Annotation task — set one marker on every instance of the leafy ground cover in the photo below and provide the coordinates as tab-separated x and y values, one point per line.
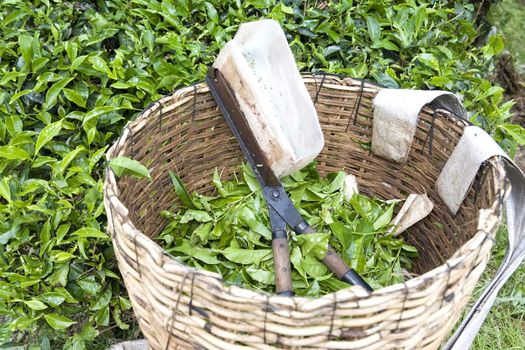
508	16
72	73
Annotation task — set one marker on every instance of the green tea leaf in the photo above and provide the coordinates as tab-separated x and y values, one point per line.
203	232
88	232
122	166
440	81
59	275
205	255
52	298
489	92
89	285
35	304
261	276
5	190
374	29
384	219
409	248
337	183
54	91
313	267
102	317
47	134
430	60
385	44
118	320
13	152
95	113
212	12
181	190
515	131
75	97
18	95
102	300
25	43
196	215
68	158
246	257
101	65
247	217
71	50
296	258
124	303
342	232
314	244
58	322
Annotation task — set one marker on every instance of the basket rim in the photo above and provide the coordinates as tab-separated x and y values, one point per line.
488	218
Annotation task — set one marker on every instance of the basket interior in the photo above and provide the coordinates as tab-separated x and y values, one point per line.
186	133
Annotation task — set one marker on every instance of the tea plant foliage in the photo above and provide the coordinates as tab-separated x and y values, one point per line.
72	73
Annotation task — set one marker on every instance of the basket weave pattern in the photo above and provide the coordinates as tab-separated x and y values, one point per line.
182	308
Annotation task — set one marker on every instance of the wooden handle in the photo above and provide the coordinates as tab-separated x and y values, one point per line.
335	263
281	264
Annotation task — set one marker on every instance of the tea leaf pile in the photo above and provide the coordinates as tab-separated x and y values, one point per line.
228	233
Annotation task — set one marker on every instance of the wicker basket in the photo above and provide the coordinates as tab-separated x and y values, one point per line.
182	308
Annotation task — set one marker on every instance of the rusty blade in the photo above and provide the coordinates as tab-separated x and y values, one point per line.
223	95
273	190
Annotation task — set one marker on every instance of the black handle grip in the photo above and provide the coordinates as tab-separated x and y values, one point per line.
355	279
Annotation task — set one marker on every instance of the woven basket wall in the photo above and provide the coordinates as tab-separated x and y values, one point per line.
182	308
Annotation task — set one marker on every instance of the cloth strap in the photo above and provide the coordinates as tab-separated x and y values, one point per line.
396	113
474	147
395	122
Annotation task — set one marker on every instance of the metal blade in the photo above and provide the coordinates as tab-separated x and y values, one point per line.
273	190
277	222
224	96
278	199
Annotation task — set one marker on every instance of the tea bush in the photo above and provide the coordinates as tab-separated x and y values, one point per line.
73	73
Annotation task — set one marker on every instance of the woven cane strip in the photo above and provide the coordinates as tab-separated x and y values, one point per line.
181	308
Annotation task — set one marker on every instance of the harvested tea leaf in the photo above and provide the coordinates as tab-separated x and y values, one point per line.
126	166
181	190
229	233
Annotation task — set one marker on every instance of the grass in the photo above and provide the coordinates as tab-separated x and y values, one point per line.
504	328
505	325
